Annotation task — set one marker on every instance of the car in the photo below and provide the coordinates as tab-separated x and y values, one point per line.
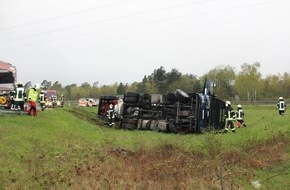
87	102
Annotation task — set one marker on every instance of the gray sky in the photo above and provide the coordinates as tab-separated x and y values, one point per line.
77	41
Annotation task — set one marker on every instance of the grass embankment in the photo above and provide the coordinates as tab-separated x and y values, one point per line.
70	148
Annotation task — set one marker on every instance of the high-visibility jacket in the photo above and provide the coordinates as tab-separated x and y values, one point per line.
33	95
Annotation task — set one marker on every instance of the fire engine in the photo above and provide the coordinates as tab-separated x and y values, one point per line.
8	76
177	112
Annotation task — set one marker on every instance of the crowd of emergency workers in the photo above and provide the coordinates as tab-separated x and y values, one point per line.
28	101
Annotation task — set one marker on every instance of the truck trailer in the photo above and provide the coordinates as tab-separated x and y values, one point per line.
176	112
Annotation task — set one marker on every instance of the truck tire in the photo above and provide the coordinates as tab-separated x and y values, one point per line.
154	125
131	97
181	95
129	126
172	128
171	99
130	121
163	126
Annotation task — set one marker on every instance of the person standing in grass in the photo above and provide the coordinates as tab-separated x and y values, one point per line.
111	114
42	100
229	118
281	106
240	116
19	96
33	95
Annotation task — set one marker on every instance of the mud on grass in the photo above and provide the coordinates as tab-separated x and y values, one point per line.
87	114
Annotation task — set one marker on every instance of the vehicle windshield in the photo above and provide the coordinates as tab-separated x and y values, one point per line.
6	78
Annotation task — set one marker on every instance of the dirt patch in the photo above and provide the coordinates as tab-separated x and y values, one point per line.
170	167
88	116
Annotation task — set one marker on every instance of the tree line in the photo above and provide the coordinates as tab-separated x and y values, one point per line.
245	85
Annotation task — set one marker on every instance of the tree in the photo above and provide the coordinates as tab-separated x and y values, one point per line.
172	78
95	84
248	82
188	83
85	90
46	84
141	87
121	89
56	86
159	79
285	87
224	77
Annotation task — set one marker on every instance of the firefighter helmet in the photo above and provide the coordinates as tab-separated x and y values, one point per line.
37	86
18	84
239	106
280	98
111	106
228	103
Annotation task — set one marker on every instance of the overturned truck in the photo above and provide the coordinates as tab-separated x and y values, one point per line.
177	112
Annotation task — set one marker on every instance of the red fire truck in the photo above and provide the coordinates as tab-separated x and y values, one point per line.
8	77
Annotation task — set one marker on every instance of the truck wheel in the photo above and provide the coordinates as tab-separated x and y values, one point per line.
130	121
129	124
181	95
131	97
172	128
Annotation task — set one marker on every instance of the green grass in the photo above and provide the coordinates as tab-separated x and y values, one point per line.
59	150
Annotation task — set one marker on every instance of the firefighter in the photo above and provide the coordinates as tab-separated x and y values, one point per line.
281	106
12	99
19	96
42	100
229	118
240	116
62	100
111	114
54	101
32	99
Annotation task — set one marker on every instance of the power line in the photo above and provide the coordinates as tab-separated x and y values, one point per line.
105	20
143	23
38	11
63	15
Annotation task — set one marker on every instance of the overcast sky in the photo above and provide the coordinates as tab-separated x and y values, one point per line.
77	41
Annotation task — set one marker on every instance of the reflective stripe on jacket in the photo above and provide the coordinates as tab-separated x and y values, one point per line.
240	114
19	94
281	105
33	95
